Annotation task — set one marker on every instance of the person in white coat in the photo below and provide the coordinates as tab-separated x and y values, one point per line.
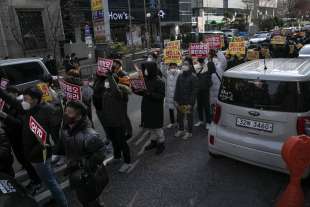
216	65
171	77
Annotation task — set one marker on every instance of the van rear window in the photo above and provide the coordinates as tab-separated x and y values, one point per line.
266	95
23	72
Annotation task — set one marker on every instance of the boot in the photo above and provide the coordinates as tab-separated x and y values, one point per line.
151	146
160	148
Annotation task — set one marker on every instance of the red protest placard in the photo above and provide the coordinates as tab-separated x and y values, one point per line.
71	91
38	130
104	66
137	84
214	41
199	50
3	85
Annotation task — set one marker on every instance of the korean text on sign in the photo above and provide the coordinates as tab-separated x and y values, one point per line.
172	56
38	130
104	66
174	44
3	85
71	91
252	55
137	84
214	41
237	48
278	40
199	50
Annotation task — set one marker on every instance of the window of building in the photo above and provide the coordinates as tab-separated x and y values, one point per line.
32	29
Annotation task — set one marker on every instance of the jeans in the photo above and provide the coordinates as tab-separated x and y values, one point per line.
157	135
45	172
190	118
203	105
118	139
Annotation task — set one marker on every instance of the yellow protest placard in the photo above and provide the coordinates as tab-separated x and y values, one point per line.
265	52
172	56
96	5
237	48
174	44
43	87
238	39
252	55
278	40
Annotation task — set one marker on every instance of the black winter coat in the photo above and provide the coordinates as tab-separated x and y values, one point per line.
204	80
152	107
6	157
81	145
186	89
46	116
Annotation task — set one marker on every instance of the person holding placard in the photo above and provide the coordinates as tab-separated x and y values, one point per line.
152	107
39	124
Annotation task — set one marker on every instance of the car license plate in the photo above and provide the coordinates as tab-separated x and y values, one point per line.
258	125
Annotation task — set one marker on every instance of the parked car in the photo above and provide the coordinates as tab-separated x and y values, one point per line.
23	72
259	108
304	52
231	32
260	37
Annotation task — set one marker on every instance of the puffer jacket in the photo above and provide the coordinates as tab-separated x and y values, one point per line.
6	157
171	82
81	145
114	105
186	89
204	79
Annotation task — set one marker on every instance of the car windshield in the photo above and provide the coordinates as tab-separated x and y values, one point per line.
263	35
266	95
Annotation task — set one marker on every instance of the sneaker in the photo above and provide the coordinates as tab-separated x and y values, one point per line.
115	161
169	126
160	148
198	124
33	188
151	146
55	159
208	126
124	168
60	162
187	136
179	133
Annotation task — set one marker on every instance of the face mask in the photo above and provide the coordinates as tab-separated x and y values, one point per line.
185	68
26	106
146	73
149	59
173	70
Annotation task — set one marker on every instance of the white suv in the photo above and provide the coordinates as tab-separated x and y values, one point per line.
259	107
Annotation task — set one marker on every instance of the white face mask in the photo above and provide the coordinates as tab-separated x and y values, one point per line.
173	70
146	73
149	59
185	68
26	106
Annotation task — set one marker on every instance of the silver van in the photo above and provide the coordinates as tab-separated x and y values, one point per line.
259	107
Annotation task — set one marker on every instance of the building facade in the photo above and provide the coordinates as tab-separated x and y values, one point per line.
30	28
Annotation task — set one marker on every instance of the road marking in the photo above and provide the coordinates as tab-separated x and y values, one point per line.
133	200
133	166
143	147
143	136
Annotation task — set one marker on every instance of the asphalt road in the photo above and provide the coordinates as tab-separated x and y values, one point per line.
186	176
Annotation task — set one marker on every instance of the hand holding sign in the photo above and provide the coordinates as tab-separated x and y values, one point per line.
104	66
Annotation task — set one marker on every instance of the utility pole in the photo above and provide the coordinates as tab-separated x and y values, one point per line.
159	22
130	23
107	30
